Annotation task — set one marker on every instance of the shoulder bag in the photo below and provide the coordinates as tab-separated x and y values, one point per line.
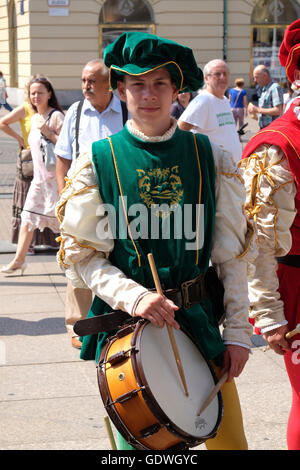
47	149
236	100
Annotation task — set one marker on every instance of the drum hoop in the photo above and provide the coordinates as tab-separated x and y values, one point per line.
150	399
106	398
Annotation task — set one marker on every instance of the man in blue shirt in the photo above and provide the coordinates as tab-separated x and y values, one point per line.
270	101
101	115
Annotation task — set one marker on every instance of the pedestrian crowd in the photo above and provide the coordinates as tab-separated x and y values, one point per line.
153	128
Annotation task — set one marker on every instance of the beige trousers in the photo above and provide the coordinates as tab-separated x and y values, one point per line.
78	302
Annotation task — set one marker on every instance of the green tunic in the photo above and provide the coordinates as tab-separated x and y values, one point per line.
170	179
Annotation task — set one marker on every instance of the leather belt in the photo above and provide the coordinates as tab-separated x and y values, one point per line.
189	293
290	260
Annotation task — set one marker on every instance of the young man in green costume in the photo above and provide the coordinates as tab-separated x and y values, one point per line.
152	163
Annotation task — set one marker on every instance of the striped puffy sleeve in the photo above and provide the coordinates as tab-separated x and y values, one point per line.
270	204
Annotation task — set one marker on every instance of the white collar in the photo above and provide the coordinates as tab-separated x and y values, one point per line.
159	138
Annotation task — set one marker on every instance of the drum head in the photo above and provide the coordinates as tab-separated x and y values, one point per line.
161	374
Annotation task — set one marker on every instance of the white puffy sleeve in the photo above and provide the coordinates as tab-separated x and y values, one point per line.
270	204
233	246
83	252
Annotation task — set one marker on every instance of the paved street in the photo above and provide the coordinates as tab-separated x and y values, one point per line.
49	398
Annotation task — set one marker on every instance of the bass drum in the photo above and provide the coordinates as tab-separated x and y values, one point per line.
142	391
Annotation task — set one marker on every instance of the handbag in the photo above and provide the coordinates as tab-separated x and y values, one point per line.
47	150
25	164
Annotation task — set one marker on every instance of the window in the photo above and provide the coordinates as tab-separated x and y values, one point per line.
269	21
119	16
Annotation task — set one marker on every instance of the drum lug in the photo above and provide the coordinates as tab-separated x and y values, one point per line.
126	396
125	331
117	358
150	430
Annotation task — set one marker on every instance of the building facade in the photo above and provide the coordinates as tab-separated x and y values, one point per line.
57	37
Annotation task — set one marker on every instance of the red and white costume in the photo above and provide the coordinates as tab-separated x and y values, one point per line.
271	171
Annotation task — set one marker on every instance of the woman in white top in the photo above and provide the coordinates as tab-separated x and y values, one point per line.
39	208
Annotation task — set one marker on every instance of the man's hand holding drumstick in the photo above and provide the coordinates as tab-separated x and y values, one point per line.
157	309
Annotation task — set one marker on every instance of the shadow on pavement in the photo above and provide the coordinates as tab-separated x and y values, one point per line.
46	326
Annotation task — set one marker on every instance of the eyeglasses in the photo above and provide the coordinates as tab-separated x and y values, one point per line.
39	79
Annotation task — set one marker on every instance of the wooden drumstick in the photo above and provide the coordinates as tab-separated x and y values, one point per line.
213	393
289	335
110	433
169	327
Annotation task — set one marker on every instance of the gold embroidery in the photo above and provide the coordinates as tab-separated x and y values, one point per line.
262	170
159	184
252	208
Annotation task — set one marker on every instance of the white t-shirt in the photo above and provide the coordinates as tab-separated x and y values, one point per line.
213	117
